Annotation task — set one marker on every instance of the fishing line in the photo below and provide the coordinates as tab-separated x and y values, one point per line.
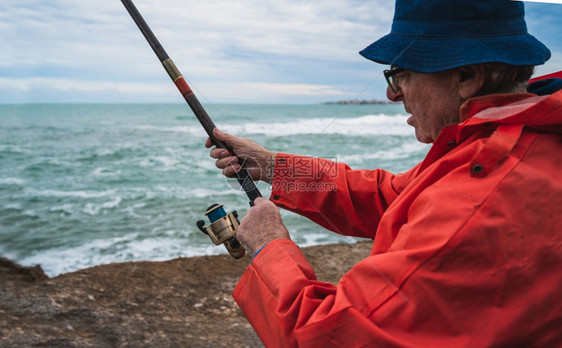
326	218
226	119
97	51
171	283
214	107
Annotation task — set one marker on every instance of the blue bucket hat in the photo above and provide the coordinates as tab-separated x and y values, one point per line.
436	35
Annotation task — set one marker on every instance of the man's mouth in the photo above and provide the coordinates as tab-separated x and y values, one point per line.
410	119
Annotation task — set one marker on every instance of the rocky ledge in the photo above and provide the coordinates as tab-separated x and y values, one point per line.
184	302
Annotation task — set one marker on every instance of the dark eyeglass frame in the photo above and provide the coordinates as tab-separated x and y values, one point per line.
392	81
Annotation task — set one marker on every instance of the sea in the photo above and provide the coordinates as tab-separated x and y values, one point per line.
89	184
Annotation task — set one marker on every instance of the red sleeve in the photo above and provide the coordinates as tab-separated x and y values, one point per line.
345	201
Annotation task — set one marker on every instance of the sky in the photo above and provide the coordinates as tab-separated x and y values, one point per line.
230	51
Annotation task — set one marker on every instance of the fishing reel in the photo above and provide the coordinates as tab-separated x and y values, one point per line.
222	229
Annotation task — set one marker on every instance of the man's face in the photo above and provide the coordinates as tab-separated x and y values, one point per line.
432	100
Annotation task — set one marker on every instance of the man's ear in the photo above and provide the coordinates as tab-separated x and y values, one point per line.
471	80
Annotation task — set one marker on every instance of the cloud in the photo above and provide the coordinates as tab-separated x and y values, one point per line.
260	46
129	92
274	50
67	84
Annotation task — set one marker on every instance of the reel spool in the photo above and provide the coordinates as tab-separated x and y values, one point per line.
222	229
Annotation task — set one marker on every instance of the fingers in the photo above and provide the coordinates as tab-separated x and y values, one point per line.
231	170
219	153
224	158
254	156
261	225
264	206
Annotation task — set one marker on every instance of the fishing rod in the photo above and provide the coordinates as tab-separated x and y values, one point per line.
223	226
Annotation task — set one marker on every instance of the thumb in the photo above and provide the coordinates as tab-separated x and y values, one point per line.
260	201
232	141
223	136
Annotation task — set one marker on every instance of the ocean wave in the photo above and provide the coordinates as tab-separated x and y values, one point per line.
12	182
105	172
49	165
12	206
186	193
14	149
162	163
77	194
66	259
203	193
405	150
94	209
127	248
110	153
191	130
364	125
64	209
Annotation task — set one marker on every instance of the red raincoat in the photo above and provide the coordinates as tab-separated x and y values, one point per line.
467	249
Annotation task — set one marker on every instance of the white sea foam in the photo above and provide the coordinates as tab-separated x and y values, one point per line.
191	130
188	193
110	250
312	239
66	259
12	181
405	150
105	172
65	208
364	125
14	149
162	163
78	194
15	206
166	161
202	193
94	209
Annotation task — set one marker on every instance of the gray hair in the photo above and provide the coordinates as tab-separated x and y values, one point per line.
504	78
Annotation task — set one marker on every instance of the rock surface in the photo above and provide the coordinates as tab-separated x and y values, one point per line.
184	302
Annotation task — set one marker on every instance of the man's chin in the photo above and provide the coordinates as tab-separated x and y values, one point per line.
424	138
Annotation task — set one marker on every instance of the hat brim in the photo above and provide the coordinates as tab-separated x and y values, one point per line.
430	54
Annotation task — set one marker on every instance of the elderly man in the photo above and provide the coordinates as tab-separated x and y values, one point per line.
467	249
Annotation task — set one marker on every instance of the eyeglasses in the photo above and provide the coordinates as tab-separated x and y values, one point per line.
392	79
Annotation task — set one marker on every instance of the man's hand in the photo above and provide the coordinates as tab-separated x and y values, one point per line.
258	161
261	225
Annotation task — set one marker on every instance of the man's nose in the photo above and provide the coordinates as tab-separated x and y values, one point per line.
394	96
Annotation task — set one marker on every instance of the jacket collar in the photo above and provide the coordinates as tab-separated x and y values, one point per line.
487	113
538	112
474	106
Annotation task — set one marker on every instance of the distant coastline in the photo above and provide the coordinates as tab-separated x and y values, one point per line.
359	102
